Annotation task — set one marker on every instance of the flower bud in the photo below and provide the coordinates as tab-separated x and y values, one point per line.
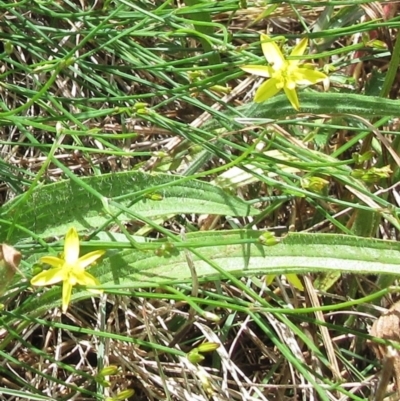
8	47
207	347
314	184
268	239
122	395
109	371
194	356
212	317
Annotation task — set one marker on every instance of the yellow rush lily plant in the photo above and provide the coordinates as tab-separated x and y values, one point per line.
283	74
70	270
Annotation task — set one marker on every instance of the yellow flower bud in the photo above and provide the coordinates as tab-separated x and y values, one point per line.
122	395
268	238
314	184
194	356
207	347
109	371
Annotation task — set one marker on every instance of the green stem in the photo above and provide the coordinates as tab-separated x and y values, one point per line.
206	29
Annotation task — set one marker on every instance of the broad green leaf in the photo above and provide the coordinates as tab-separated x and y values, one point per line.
238	253
52	209
279	107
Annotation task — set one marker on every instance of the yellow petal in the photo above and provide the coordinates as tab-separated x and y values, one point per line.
48	277
52	261
295	281
292	96
272	52
267	89
89	258
290	83
66	295
85	278
260	70
299	50
73	275
306	76
71	246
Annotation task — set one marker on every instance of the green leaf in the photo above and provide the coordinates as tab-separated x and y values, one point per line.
91	202
240	252
221	255
279	107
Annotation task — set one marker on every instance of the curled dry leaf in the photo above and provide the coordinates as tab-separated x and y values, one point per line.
10	259
387	327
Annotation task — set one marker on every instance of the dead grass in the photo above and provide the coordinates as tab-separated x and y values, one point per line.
62	362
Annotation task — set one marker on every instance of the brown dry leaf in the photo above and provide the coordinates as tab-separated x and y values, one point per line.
10	259
387	327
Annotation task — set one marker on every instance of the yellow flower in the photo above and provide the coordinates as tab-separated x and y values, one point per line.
284	74
70	270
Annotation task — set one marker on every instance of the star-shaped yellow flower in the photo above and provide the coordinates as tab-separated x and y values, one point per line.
70	270
284	74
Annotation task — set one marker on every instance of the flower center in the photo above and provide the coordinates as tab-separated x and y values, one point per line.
71	273
281	77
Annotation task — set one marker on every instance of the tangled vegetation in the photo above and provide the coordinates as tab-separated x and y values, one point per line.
199	200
